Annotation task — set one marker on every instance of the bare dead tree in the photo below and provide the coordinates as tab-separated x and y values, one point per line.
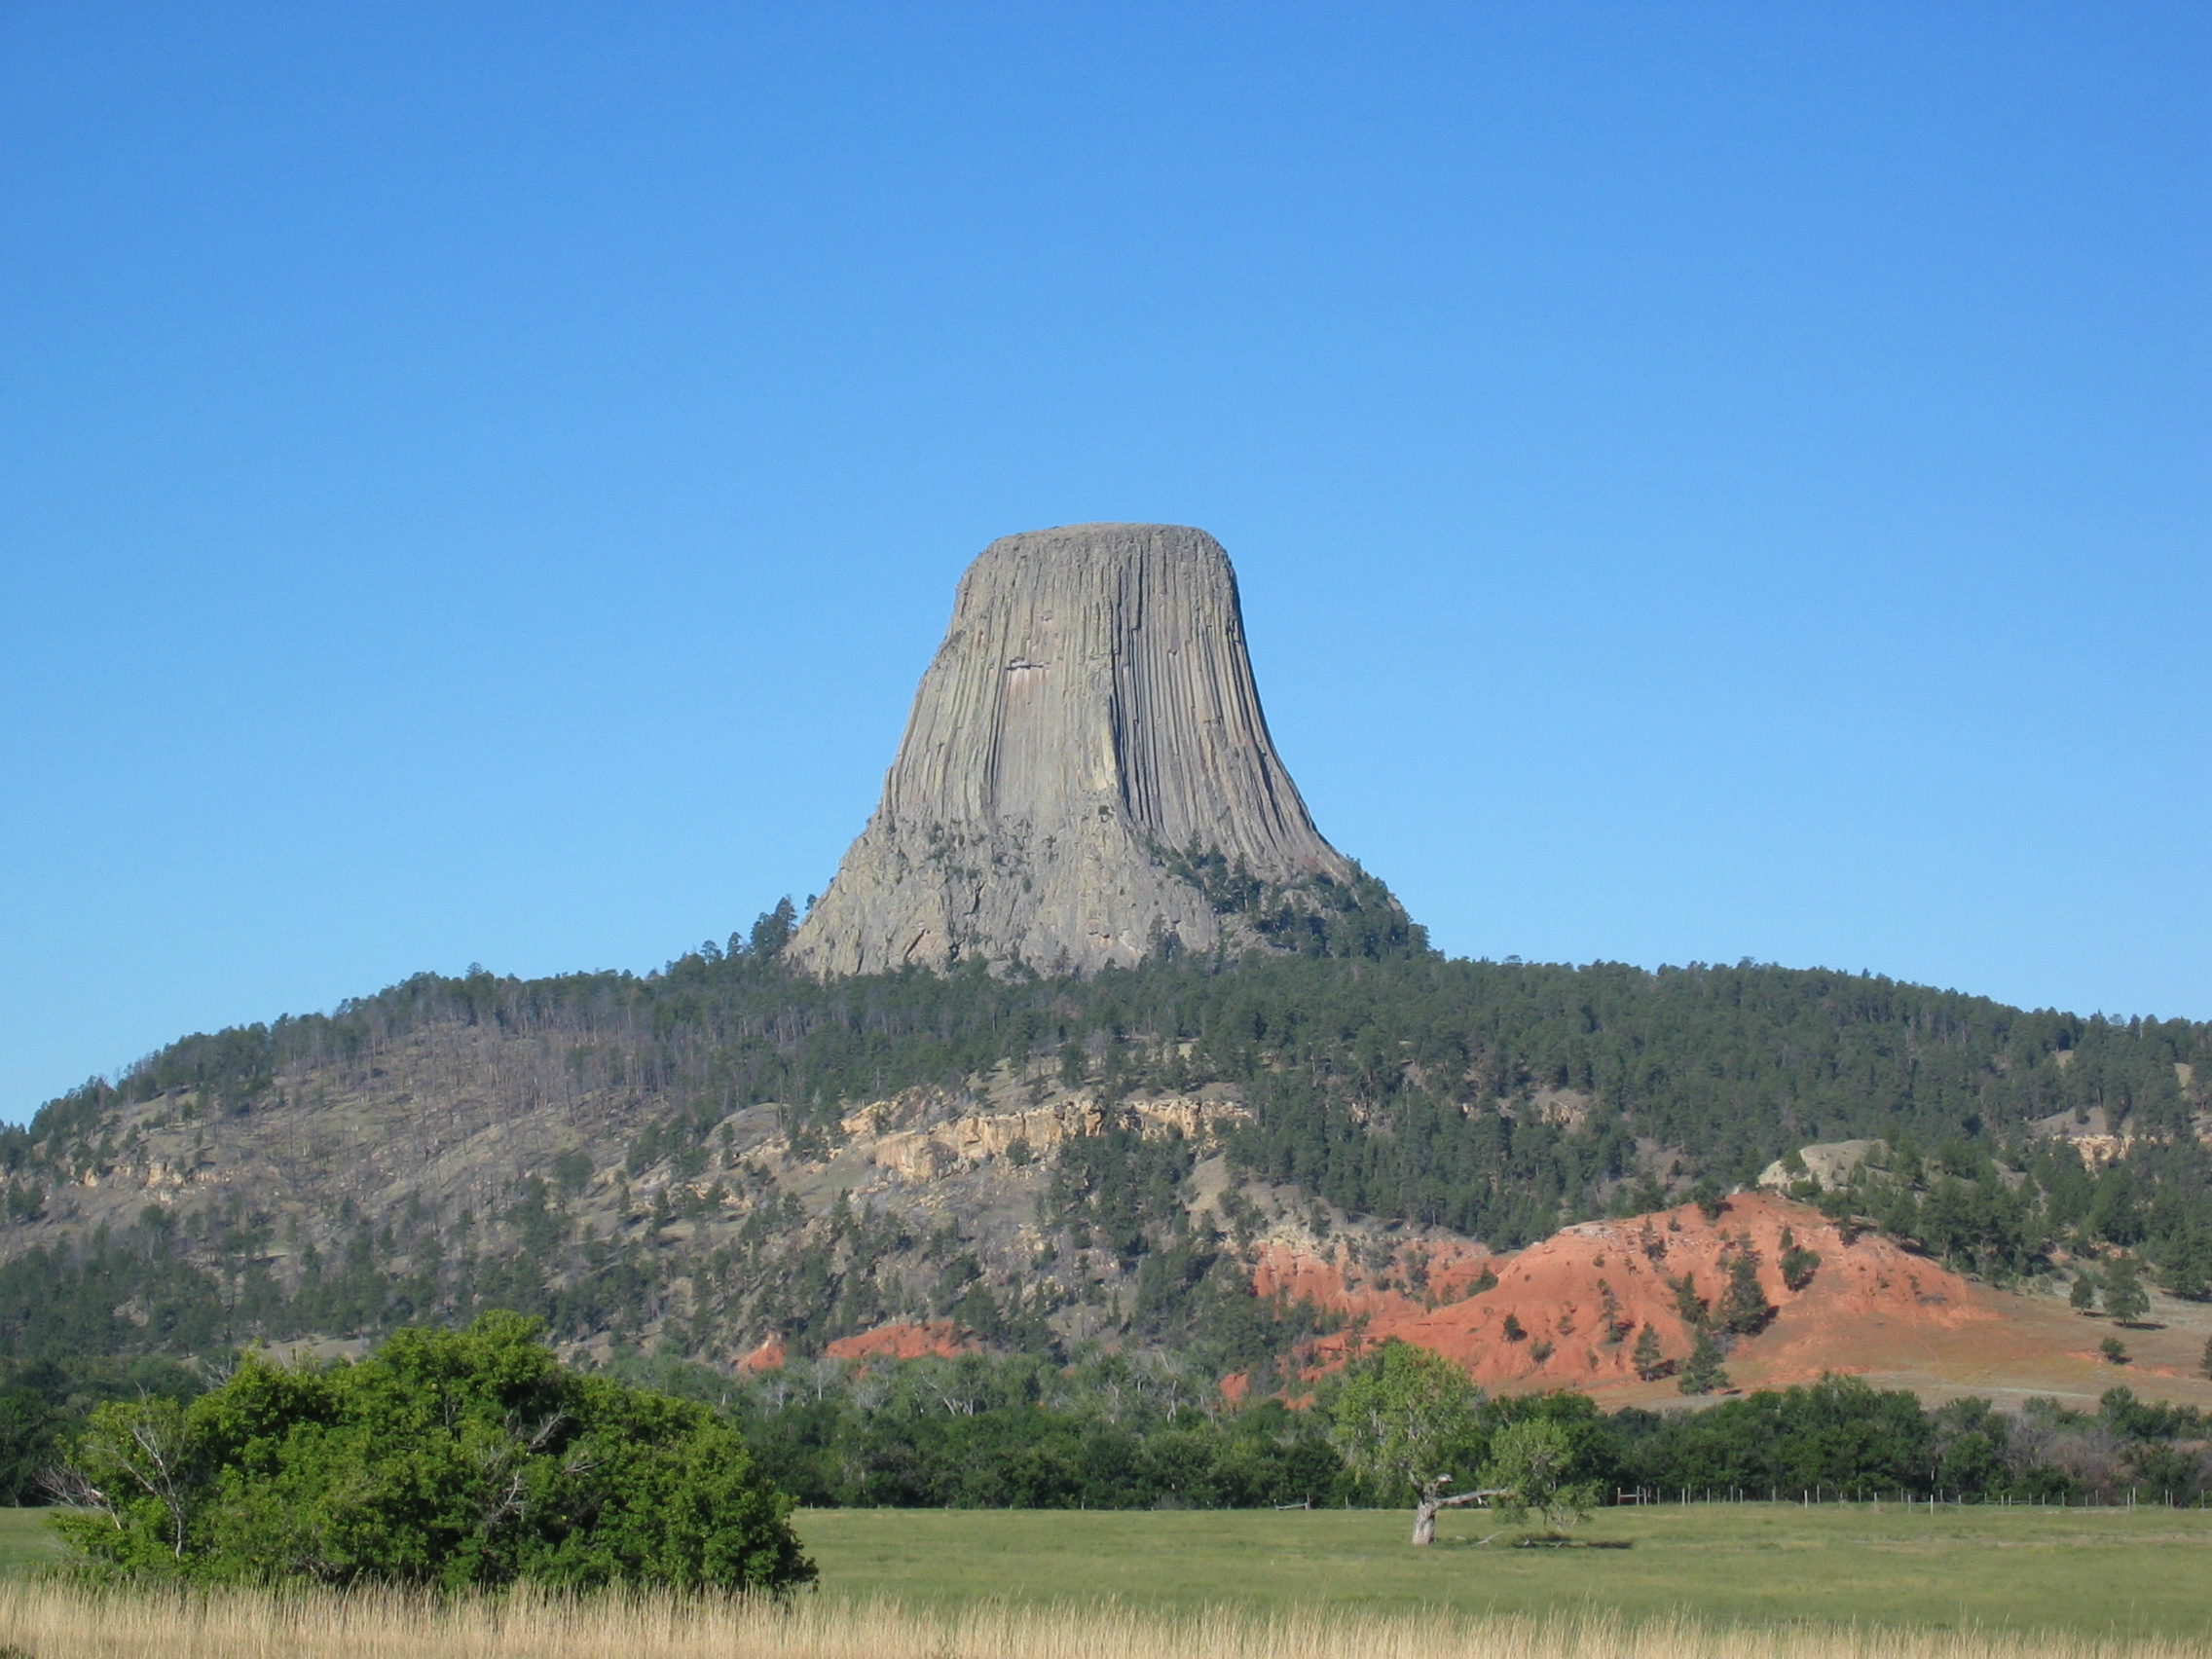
141	1445
72	1489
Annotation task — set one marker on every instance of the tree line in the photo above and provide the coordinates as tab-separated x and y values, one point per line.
1119	1431
1114	1432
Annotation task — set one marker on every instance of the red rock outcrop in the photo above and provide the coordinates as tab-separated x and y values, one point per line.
1580	1297
1417	1277
769	1356
923	1340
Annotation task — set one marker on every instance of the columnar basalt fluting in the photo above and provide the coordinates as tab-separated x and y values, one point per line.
1090	719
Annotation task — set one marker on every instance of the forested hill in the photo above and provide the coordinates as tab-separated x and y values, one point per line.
623	1152
1478	1096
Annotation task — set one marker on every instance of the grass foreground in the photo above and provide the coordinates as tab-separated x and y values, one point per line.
51	1621
1664	1582
2093	1571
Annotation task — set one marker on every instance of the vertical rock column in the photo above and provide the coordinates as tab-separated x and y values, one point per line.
1091	713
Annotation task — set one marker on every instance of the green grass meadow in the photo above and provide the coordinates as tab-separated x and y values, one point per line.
25	1542
2103	1571
2131	1572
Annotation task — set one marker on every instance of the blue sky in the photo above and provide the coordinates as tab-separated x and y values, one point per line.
480	483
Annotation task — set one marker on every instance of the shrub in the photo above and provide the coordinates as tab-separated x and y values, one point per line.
447	1459
1798	1264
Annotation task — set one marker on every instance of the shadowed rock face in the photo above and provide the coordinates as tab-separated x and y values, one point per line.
1090	714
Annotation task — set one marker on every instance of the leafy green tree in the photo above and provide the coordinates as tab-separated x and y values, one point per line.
1702	1372
1404	1419
447	1459
2205	1365
2114	1351
1526	1477
2126	1299
1971	1464
2084	1296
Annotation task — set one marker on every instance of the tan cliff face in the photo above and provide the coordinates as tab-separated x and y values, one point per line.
1090	714
919	1153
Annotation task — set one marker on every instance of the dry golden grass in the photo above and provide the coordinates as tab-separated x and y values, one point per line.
48	1620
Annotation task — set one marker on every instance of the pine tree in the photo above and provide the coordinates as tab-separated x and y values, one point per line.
1744	1306
1687	1303
1650	1367
2186	1271
2126	1299
1702	1372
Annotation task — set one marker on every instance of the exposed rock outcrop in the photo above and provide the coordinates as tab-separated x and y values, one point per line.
1827	1164
1088	722
920	1153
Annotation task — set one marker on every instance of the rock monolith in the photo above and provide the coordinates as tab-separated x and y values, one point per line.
1089	724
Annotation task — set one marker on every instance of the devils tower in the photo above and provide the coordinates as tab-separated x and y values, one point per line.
1086	777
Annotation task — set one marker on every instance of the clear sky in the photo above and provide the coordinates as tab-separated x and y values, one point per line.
479	483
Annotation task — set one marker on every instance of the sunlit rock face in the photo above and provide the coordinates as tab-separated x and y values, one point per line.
1090	719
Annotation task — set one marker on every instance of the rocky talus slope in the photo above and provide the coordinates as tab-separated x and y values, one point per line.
1090	721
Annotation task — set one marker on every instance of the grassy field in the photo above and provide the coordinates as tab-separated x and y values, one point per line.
2095	1573
2100	1571
51	1621
25	1541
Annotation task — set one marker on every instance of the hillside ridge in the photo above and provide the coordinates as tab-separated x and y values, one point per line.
727	1159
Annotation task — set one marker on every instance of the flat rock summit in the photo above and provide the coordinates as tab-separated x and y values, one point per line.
1086	777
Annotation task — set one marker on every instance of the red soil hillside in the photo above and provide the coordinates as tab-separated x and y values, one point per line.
1448	1271
1872	1308
769	1356
930	1338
